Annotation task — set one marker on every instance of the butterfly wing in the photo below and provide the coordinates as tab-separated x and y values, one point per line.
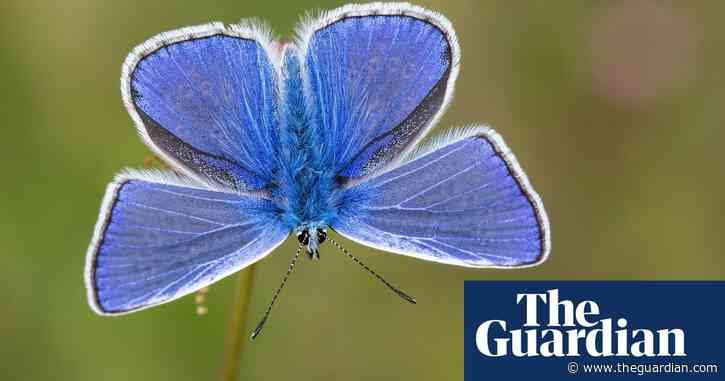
160	236
377	77
204	98
466	203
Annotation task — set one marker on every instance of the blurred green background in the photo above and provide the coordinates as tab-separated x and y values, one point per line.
614	109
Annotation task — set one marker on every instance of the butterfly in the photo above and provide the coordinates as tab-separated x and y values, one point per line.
267	140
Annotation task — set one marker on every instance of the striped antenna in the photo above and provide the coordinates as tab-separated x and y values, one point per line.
258	330
396	290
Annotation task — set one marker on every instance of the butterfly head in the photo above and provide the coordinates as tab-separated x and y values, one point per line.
311	238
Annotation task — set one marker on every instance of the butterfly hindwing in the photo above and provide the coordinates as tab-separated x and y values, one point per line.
466	203
377	77
205	99
160	236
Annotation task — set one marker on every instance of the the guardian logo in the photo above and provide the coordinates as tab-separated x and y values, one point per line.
573	329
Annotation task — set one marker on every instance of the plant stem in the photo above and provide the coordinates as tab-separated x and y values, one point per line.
237	334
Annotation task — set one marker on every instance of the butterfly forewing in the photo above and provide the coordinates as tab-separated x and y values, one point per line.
205	99
377	78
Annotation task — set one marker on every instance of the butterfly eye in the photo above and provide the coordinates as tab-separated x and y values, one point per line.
303	237
321	235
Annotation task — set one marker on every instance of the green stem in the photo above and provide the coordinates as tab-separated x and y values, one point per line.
237	334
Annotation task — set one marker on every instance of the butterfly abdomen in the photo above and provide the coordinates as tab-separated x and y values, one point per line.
305	186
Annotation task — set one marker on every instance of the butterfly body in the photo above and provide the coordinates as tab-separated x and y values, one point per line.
305	189
319	135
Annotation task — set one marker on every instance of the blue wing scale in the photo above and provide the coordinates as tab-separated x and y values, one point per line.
466	203
205	99
378	77
157	241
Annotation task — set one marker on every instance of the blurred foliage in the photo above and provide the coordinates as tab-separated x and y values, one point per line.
614	109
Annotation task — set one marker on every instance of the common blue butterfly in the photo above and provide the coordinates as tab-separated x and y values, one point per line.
267	140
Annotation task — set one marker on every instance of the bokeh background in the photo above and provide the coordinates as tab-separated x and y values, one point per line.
614	108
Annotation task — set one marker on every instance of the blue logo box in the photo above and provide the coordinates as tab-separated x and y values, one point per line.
594	330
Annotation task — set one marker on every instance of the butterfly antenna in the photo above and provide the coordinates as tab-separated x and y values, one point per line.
257	330
376	275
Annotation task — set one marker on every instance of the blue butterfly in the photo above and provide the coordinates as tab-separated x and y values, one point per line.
267	140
